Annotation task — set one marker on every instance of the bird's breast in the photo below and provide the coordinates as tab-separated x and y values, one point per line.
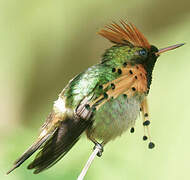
115	117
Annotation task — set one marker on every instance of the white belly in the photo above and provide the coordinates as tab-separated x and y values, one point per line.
115	117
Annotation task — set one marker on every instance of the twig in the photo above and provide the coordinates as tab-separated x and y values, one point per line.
89	162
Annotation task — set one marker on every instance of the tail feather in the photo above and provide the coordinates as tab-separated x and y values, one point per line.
33	148
67	134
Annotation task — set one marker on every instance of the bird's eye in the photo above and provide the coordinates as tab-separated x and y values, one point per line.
143	52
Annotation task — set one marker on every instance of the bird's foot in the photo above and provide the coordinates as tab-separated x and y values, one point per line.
100	147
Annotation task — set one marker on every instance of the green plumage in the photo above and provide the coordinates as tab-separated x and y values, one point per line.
88	82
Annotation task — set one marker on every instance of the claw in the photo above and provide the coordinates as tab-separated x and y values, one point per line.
101	149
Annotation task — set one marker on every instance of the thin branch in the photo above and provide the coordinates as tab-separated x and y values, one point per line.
89	162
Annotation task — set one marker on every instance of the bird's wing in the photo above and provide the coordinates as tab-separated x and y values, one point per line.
61	131
66	135
32	149
56	138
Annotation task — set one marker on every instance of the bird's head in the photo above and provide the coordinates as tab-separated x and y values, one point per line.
130	46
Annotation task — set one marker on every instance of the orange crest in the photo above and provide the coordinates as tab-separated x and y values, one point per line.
124	34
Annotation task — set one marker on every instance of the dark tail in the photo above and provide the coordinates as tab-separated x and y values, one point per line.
67	134
29	152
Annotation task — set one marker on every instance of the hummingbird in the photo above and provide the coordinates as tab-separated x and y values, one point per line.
104	101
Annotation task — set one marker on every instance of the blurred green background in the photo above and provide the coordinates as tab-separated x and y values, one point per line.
43	44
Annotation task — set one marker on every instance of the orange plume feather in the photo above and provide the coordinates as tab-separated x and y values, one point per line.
124	34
